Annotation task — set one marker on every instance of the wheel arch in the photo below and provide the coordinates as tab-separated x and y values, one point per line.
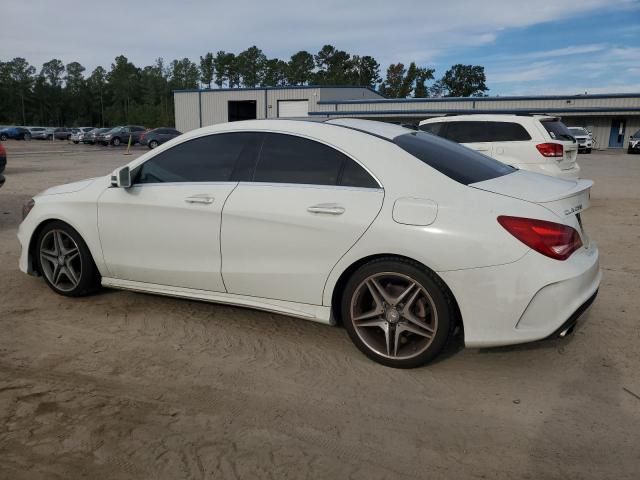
32	262
338	288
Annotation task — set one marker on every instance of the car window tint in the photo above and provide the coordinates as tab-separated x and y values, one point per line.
468	132
507	132
434	128
291	159
354	175
455	161
557	130
205	159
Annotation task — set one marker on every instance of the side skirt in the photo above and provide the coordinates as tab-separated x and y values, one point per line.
316	313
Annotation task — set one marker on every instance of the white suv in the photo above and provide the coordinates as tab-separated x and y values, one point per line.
538	143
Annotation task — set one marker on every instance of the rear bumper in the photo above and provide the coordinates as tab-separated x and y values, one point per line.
523	301
567	327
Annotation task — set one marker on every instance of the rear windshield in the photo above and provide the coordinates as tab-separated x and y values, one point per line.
459	163
557	130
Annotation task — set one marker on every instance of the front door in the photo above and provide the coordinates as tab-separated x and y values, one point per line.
616	136
165	229
283	232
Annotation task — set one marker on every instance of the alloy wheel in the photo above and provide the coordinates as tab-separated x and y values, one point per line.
61	260
394	315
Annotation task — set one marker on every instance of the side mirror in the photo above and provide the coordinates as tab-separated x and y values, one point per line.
122	178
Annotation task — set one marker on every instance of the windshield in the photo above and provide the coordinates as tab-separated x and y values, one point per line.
557	130
459	163
578	131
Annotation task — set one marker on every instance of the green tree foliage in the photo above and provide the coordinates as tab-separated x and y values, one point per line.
68	95
207	69
300	68
250	66
275	73
464	81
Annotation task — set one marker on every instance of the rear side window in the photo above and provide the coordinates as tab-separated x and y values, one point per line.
557	130
455	161
435	128
507	132
290	159
468	132
205	159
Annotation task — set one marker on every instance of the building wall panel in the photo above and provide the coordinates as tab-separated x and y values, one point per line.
187	110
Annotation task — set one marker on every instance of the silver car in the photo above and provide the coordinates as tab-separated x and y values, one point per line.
583	137
78	135
45	134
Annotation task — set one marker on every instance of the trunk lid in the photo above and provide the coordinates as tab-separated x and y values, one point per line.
565	198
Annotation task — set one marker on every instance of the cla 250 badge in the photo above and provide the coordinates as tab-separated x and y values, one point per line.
571	210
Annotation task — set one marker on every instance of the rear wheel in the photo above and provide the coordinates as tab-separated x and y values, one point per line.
115	142
153	144
65	262
3	136
397	313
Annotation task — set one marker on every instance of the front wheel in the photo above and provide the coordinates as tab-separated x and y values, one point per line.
3	136
115	142
397	313
588	150
153	144
65	262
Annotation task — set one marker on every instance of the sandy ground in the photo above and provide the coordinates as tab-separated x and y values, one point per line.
125	385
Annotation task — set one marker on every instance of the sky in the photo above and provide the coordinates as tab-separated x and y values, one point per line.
526	47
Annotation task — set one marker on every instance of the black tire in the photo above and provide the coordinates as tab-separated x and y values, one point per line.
76	142
588	150
3	137
89	277
153	144
434	287
115	142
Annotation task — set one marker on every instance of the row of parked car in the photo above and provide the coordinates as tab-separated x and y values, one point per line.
91	135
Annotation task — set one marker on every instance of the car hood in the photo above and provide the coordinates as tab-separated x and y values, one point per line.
68	187
564	197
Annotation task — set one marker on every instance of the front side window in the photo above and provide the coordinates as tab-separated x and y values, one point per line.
290	159
205	159
459	163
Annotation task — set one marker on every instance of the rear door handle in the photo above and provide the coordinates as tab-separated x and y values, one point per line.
202	198
327	208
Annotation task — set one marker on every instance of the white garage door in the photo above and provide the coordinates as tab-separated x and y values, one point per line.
293	108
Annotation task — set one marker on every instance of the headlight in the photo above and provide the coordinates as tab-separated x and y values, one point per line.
108	135
27	207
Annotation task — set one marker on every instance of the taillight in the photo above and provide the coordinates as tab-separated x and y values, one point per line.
555	240
550	149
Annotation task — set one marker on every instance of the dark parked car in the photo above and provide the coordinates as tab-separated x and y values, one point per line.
62	133
15	133
90	137
119	135
3	163
158	136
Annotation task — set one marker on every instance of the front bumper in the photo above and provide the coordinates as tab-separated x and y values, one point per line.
523	301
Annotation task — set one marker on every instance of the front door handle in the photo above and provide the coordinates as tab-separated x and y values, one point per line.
203	198
327	208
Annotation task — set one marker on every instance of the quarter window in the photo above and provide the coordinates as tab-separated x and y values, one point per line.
205	159
507	132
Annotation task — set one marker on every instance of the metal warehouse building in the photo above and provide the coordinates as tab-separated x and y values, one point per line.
612	118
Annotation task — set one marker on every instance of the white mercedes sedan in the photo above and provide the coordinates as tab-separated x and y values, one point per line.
401	236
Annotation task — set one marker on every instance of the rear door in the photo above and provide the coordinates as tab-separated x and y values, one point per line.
511	143
305	206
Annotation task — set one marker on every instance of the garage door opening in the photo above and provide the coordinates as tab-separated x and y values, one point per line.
242	110
293	108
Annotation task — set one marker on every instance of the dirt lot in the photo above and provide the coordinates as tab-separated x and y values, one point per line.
125	385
